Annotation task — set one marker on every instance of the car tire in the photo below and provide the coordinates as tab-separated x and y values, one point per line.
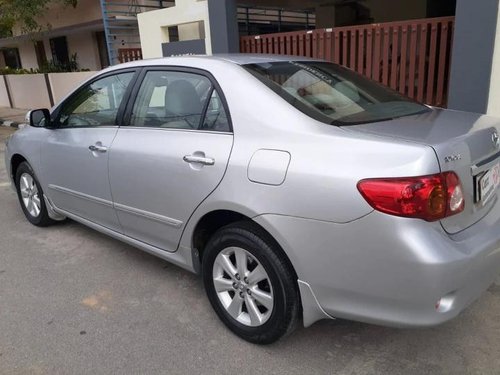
260	307
30	196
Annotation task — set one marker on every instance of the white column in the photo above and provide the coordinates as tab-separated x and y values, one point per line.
153	25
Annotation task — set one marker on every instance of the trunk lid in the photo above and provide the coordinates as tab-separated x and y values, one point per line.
465	143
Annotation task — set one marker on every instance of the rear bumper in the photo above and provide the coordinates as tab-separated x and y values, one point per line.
387	270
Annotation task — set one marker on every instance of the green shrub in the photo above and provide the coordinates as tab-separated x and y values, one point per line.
49	67
7	70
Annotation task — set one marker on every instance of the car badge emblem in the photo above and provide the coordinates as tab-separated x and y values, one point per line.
495	139
449	159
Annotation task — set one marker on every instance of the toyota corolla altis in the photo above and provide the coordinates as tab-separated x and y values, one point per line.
298	189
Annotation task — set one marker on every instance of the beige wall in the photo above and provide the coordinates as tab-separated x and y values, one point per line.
22	88
63	83
153	25
4	99
130	38
190	31
27	55
60	16
28	91
85	45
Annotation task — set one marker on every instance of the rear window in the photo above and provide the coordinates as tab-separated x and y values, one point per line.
333	94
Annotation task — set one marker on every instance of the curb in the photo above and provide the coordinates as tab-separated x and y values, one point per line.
9	123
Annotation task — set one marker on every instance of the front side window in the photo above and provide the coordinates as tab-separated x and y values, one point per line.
178	100
96	104
332	94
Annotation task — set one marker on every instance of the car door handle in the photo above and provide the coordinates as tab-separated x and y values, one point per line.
198	160
98	148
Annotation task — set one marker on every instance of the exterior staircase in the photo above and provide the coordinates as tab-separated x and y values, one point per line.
121	27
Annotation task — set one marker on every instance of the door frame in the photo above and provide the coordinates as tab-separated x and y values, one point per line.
123	105
136	86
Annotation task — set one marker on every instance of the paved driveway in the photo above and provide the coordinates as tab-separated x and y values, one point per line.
73	301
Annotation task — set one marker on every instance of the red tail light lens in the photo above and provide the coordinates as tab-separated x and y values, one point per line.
429	198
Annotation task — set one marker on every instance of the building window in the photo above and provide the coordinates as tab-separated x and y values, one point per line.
173	33
59	48
12	59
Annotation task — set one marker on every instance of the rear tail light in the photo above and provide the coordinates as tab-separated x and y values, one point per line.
429	198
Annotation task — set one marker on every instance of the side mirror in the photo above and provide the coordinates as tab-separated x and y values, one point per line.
39	118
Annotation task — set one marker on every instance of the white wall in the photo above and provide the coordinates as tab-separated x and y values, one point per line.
153	25
494	97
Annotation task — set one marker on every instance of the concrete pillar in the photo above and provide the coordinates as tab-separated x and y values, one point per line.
472	58
494	95
224	26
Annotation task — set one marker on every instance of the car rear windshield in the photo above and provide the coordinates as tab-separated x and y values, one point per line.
333	94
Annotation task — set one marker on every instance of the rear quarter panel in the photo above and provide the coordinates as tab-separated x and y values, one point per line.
326	162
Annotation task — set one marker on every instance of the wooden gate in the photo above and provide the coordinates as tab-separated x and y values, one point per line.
412	57
129	54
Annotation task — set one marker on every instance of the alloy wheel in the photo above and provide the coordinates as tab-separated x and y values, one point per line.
29	194
243	286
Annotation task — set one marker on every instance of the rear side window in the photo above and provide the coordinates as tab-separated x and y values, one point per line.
178	100
216	116
96	104
332	94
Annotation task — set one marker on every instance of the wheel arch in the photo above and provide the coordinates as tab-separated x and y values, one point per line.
212	221
15	162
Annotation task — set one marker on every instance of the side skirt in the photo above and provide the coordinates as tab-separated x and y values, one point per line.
182	257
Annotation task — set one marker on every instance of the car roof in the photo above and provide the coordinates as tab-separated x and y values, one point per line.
246	58
196	60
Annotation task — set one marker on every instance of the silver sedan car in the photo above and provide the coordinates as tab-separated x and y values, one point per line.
298	189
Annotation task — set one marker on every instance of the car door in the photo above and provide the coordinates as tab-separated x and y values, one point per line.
171	156
75	156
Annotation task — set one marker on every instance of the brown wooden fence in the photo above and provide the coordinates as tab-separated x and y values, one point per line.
129	54
412	57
